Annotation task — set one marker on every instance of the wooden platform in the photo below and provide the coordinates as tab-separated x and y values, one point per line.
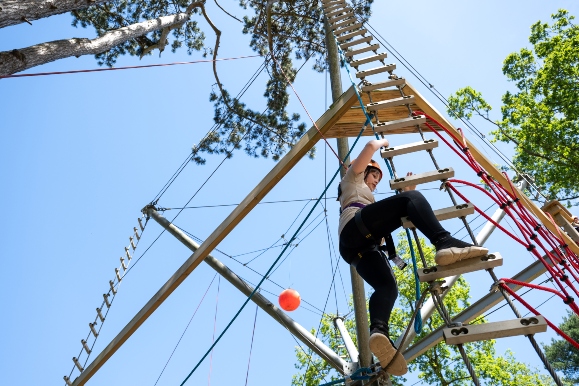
350	124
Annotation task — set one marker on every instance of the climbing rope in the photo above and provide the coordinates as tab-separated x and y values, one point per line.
362	374
186	327
418	320
273	264
558	259
124	68
251	345
108	299
445	102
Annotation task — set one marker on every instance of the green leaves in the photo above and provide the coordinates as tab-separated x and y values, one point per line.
561	354
120	13
297	34
540	118
442	364
467	101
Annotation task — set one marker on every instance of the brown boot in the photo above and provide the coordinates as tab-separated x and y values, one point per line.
391	361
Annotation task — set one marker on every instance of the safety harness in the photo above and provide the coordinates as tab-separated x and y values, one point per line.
375	246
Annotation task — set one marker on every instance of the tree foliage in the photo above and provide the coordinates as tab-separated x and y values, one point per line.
442	364
296	34
561	354
117	14
541	117
293	30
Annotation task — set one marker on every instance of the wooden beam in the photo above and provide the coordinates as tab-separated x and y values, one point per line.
491	168
481	306
327	120
494	330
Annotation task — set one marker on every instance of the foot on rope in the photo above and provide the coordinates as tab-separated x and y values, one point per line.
392	362
450	250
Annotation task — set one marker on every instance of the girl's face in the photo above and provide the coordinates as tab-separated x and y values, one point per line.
372	179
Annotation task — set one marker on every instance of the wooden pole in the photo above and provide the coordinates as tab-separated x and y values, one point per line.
301	148
358	292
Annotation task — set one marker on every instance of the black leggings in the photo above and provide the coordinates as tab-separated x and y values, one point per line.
382	218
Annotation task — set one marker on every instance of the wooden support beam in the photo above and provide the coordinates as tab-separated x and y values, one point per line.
495	330
390	152
421	178
330	117
460	267
489	166
481	306
456	211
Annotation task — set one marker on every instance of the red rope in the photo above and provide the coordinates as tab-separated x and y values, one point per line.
447	142
533	232
476	187
534	311
124	68
534	286
482	213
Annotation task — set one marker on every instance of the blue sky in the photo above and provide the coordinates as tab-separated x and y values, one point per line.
84	153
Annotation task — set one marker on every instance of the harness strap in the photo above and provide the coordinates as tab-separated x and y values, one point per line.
390	246
361	226
353	204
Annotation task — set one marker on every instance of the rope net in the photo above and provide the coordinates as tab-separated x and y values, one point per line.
560	262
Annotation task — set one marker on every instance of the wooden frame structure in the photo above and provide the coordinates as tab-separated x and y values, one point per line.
343	119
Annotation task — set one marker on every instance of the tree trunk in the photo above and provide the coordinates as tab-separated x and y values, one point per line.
25	58
24	11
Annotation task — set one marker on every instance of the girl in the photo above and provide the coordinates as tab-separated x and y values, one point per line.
363	222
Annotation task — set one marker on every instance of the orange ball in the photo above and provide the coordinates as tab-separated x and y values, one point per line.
289	299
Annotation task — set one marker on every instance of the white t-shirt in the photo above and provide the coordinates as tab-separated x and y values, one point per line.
354	189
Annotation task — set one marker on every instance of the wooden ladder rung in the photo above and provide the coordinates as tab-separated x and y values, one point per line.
351	35
388	83
408	148
337	11
494	330
405	100
339	7
330	3
348	28
491	260
372	47
341	17
356	42
445	213
343	23
400	123
421	178
377	70
369	59
334	5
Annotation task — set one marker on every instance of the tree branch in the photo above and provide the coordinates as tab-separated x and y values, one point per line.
223	9
293	15
224	96
517	143
25	58
14	12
